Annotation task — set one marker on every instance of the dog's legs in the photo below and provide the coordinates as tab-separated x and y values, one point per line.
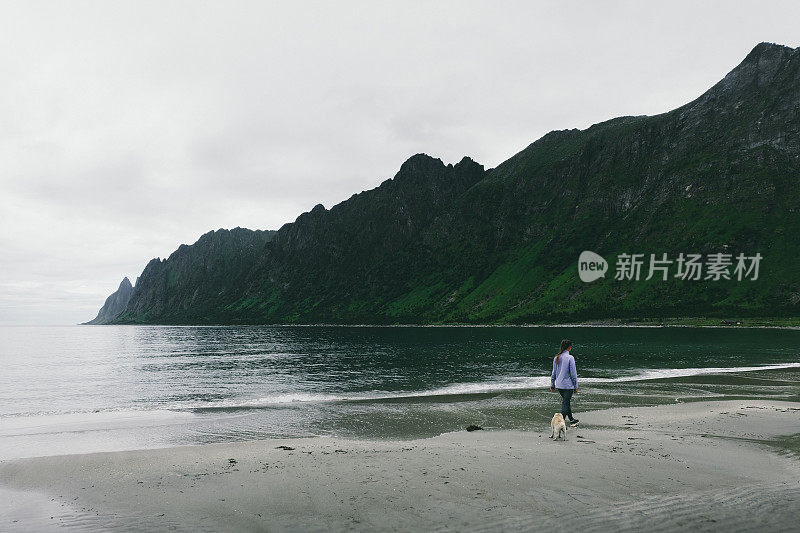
552	432
565	434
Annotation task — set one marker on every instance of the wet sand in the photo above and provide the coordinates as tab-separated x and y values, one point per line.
707	466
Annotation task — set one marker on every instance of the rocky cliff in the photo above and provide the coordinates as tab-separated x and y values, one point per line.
195	280
114	305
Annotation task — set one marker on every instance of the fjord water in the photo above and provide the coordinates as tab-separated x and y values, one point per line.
82	389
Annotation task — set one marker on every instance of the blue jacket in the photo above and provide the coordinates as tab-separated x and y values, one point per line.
564	375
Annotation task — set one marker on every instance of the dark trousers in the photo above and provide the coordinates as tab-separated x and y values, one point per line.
566	408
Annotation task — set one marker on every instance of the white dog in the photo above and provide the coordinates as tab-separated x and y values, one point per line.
558	426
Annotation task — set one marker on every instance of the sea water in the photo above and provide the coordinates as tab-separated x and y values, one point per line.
78	389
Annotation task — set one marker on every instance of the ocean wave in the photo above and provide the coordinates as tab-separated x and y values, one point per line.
166	414
459	389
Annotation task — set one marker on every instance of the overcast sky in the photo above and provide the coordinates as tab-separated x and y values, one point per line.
128	128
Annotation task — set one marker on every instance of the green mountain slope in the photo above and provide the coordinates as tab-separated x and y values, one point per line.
190	285
459	244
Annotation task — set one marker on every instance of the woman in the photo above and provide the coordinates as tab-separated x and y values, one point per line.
565	379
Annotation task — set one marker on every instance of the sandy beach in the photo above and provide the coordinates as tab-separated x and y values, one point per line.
708	466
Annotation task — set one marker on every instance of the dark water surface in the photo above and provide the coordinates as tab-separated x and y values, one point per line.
78	389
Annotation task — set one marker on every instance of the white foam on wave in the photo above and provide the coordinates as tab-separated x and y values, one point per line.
485	387
687	372
171	414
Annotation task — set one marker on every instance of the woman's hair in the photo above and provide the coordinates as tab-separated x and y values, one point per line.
566	344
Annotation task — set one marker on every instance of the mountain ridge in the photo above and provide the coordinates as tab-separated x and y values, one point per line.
457	243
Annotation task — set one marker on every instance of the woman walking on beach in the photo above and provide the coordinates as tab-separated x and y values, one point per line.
565	379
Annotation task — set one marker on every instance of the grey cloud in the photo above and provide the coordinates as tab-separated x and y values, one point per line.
128	128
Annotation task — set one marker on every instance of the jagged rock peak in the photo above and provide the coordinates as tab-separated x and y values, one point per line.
768	51
467	162
760	66
420	163
115	304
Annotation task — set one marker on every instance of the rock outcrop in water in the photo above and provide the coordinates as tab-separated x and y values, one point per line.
457	243
115	304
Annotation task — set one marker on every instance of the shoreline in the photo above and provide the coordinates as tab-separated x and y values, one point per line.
520	403
760	323
707	464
